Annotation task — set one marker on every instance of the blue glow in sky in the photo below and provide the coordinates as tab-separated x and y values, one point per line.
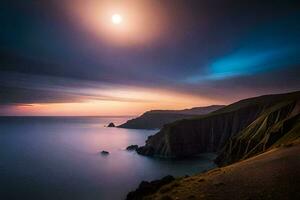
245	63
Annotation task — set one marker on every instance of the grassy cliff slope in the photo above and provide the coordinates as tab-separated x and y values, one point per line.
273	175
155	119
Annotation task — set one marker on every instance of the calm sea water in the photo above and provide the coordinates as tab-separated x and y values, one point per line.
57	158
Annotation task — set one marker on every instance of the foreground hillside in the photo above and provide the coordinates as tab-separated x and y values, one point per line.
273	175
155	119
238	131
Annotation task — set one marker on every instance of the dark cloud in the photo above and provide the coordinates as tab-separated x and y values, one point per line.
13	96
19	88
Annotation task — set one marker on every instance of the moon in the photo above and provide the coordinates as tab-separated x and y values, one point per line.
116	19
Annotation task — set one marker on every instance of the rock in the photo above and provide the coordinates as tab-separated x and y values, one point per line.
146	188
145	150
132	147
219	184
111	125
105	153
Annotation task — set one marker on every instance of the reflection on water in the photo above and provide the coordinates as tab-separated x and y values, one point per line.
59	158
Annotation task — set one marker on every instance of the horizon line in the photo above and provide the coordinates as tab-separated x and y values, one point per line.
116	116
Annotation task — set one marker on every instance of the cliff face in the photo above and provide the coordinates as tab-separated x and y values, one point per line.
277	126
157	118
209	133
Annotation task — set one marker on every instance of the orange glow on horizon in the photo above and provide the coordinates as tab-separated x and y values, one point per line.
142	101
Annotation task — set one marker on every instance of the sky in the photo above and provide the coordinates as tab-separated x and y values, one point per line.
67	57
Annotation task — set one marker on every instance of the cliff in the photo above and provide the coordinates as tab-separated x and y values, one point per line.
155	119
211	132
277	126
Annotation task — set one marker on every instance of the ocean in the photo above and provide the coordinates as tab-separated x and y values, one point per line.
58	158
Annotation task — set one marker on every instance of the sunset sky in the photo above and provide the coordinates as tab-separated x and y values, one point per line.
123	57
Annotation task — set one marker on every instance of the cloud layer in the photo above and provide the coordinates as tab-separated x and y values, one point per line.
208	51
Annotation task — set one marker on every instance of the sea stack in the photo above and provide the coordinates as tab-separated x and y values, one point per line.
111	125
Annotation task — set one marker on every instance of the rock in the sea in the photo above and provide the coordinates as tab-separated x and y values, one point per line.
145	150
105	153
132	147
111	125
146	188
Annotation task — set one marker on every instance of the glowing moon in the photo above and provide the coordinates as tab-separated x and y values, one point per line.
116	19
